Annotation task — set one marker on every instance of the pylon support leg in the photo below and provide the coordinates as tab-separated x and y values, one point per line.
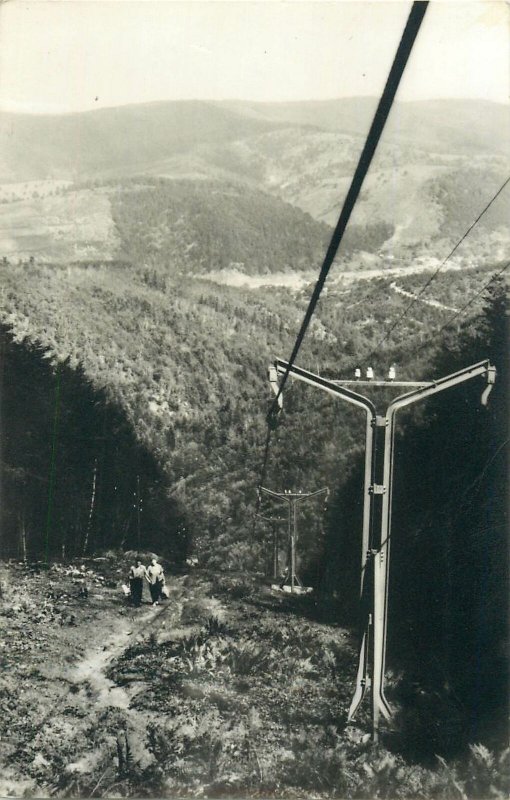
371	665
362	679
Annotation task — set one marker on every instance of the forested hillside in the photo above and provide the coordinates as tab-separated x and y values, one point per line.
226	167
185	366
135	388
75	478
186	360
202	226
462	125
130	138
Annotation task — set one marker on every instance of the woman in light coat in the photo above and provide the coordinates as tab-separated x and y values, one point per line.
156	580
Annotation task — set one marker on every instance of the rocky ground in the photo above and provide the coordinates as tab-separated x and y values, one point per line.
229	689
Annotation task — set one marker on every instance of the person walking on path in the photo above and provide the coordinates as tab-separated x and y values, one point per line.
156	579
136	575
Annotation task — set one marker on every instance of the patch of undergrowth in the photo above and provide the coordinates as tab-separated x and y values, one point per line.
239	701
253	705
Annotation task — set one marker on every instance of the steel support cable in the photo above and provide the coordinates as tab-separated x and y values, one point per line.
405	46
262	477
436	272
459	312
407	40
472	300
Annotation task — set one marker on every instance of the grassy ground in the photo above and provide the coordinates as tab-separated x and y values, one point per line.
227	690
72	226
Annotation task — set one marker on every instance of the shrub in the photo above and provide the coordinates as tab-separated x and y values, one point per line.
247	657
215	626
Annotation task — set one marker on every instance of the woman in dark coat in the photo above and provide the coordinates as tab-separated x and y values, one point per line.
136	575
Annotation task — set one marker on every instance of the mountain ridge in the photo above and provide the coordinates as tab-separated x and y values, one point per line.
431	175
83	144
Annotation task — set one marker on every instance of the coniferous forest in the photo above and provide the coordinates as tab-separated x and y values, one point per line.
135	340
85	471
75	478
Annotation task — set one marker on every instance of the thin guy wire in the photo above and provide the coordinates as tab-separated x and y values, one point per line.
437	271
472	300
436	334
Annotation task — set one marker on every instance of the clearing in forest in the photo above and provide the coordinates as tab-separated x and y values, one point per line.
228	689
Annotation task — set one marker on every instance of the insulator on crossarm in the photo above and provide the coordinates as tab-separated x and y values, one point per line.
391	374
370	374
357	373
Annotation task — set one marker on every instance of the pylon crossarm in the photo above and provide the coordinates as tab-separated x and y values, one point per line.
342	382
326	385
449	381
273	494
311	494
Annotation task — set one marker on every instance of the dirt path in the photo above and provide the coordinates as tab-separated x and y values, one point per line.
60	707
93	666
432	303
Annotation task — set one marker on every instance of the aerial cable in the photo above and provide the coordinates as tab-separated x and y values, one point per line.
409	35
435	334
408	38
262	476
472	300
436	272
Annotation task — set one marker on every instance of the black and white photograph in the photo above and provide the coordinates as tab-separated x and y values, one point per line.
254	411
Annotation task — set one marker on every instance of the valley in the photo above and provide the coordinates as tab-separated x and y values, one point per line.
154	260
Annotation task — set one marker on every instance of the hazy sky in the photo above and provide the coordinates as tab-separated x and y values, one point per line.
67	55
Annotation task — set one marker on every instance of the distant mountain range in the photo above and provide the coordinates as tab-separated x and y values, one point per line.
130	138
120	140
461	126
438	164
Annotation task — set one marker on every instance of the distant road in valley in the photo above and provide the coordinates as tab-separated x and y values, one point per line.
297	280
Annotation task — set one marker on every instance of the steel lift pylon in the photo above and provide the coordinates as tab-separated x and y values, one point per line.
275	540
292	499
377	493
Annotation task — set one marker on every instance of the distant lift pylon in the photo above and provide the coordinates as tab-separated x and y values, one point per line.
376	528
292	499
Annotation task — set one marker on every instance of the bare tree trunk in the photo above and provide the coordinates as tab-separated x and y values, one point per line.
23	535
91	509
125	533
120	757
138	510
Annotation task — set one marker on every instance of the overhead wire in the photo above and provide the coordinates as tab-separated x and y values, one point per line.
405	46
470	302
434	275
435	334
385	104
